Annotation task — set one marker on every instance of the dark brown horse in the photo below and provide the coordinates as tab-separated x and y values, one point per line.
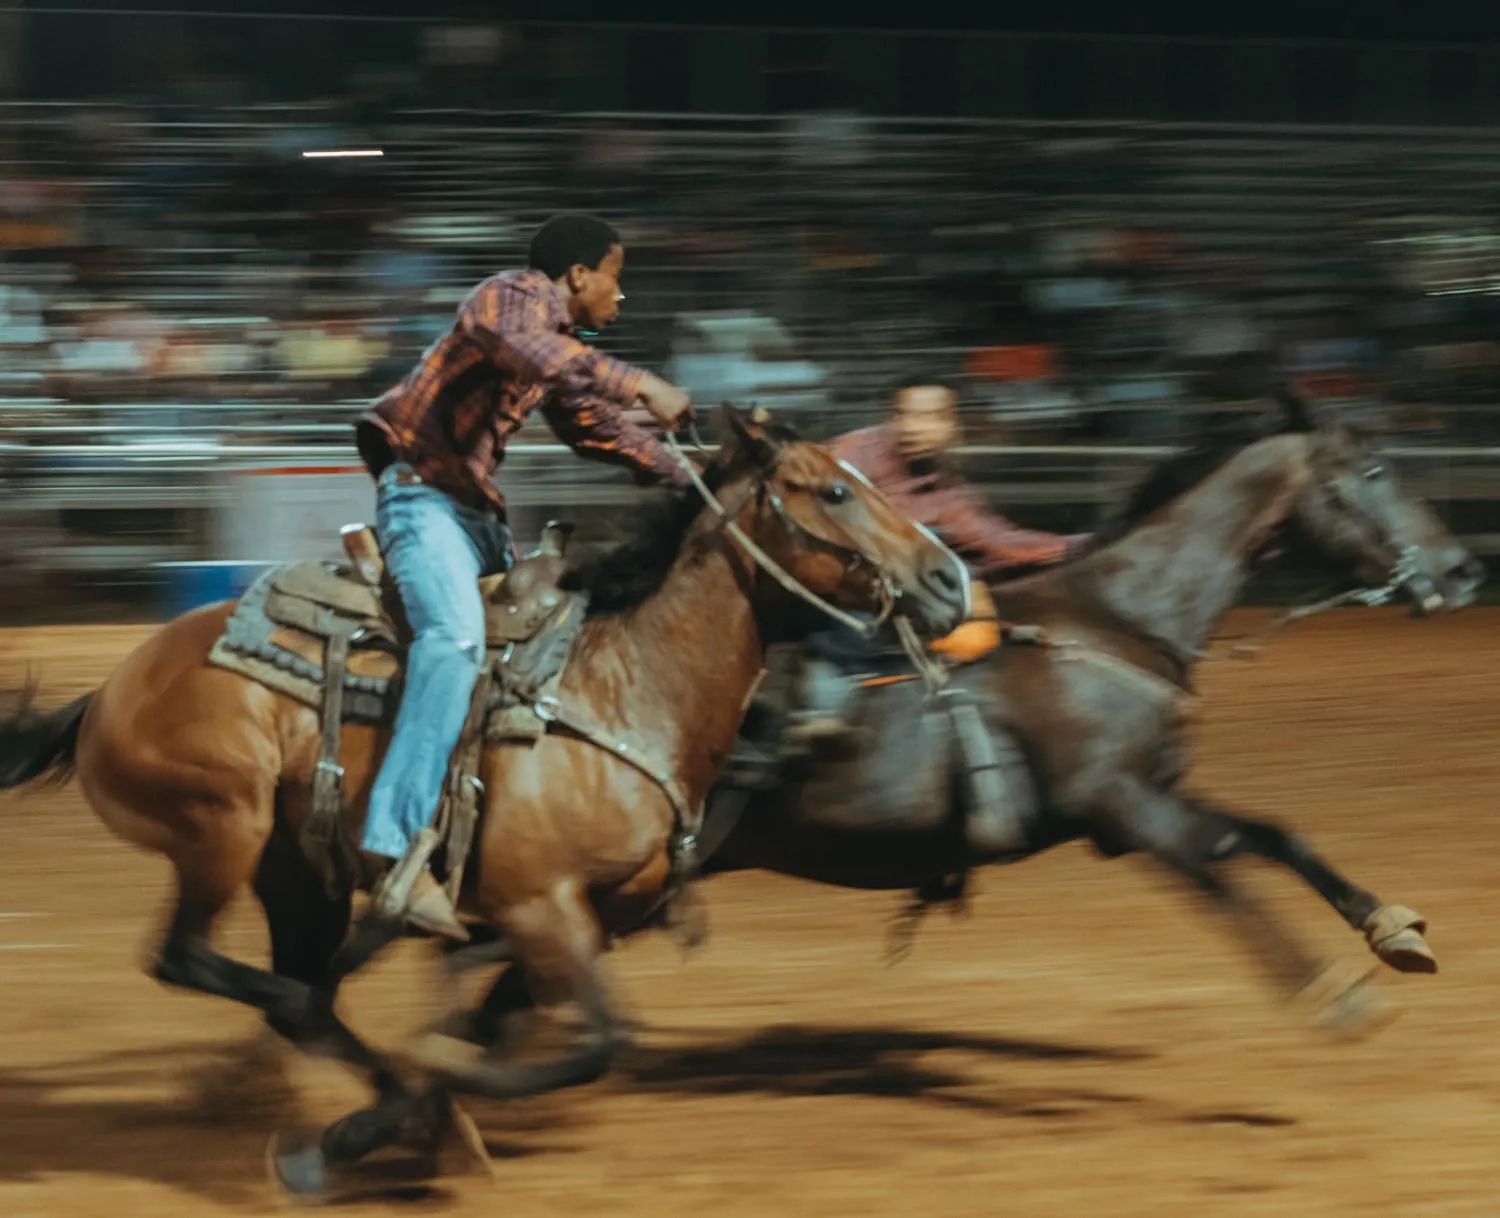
1094	712
214	771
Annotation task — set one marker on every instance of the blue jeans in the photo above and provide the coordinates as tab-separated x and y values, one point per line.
436	549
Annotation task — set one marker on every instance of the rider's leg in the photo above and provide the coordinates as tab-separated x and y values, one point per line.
435	559
825	684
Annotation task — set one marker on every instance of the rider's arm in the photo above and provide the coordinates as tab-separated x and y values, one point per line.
972	529
596	428
511	324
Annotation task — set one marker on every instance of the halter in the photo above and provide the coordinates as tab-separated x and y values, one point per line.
853	558
1247	646
1404	572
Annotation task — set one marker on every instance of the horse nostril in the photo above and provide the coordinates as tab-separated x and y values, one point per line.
944	579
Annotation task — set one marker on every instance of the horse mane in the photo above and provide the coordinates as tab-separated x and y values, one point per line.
1175	476
1167	481
621	578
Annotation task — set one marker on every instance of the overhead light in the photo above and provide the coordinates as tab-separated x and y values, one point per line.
342	154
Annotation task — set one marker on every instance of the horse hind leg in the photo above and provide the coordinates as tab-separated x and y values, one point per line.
255	1079
229	847
209	876
306	927
1394	933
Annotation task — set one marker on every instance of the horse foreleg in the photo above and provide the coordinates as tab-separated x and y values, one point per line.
1164	826
1394	932
487	1025
558	945
308	1164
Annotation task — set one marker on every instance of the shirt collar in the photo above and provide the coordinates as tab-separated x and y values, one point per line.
537	283
934	476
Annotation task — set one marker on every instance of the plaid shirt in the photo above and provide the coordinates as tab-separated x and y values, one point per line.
947	505
511	351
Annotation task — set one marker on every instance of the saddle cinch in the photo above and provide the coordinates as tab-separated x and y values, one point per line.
333	636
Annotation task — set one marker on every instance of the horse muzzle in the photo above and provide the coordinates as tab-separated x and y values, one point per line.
1455	589
940	599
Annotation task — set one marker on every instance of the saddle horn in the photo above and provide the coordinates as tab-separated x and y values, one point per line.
555	537
363	552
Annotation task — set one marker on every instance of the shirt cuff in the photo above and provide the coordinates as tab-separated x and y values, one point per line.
670	472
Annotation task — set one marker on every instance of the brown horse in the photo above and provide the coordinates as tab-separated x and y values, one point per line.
1090	723
214	771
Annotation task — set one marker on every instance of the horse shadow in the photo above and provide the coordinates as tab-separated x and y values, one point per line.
125	1114
918	1066
107	1114
936	1068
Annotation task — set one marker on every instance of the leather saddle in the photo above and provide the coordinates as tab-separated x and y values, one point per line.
334	636
517	603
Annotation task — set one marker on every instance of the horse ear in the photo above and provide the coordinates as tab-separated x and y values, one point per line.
752	434
1300	414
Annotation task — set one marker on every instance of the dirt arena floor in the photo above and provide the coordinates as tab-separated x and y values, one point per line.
1086	1043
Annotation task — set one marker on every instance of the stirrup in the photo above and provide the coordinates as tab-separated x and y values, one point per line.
818	727
831	738
393	892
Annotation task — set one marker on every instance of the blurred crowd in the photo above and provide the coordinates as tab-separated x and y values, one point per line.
1107	286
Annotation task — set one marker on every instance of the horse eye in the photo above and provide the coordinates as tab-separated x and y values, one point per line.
835	492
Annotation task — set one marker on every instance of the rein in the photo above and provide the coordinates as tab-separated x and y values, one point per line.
768	564
687	815
1248	646
934	675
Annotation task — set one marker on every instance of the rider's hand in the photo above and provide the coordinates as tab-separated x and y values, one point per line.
669	405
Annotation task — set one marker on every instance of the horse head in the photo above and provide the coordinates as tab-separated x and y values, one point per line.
833	533
1353	509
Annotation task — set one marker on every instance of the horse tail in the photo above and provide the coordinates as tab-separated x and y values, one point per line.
39	744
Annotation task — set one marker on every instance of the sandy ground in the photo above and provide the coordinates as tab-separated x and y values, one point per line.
1087	1042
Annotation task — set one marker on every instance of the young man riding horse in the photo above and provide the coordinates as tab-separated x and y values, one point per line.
434	443
906	457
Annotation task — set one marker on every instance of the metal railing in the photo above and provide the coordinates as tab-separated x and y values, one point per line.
156	502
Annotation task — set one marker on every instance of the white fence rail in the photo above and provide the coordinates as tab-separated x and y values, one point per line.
122	508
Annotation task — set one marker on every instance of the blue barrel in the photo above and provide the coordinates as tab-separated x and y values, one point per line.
187	585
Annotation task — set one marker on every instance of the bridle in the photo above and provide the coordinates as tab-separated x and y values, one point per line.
852	559
1404	574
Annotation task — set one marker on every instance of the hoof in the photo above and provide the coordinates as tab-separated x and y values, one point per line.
298	1168
448	1140
1395	934
463	1152
1346	1003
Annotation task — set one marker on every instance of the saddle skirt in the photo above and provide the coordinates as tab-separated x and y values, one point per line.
334	637
279	632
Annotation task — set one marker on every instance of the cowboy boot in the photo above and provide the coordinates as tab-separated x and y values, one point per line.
410	893
428	908
818	724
